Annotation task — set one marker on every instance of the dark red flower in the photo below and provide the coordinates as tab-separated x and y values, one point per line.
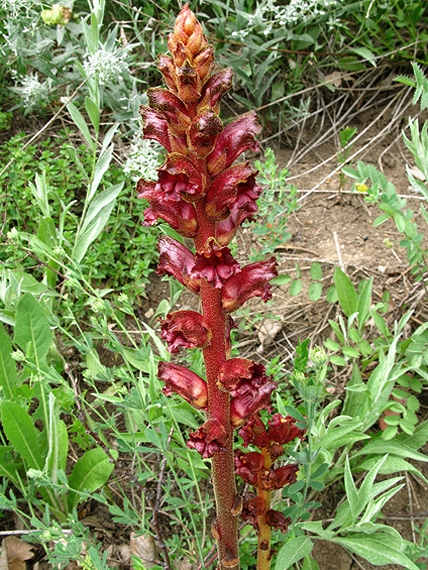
237	137
208	439
240	376
253	507
217	85
277	520
188	329
254	432
203	132
167	68
155	127
176	260
215	264
278	478
245	405
251	281
223	192
248	465
183	382
180	215
170	107
283	430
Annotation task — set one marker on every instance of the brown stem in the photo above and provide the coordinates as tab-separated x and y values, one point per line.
263	548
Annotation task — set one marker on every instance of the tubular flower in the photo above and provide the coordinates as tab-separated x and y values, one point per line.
203	132
243	406
278	478
251	281
180	215
222	195
283	430
171	108
215	88
240	376
254	432
176	260
208	439
237	137
183	382
248	465
188	329
215	264
277	520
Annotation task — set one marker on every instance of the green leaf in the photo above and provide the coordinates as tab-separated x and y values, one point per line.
345	292
364	302
20	431
90	473
8	374
281	280
296	287
378	549
337	360
316	271
32	327
293	550
93	112
351	352
365	54
310	564
314	292
80	122
8	469
396	447
101	167
96	218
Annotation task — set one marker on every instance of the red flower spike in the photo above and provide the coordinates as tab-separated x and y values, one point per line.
170	107
254	432
215	264
240	376
217	85
188	329
167	68
155	127
204	62
185	383
284	430
180	215
180	177
248	465
277	521
225	189
244	406
237	137
188	31
278	478
250	282
189	83
208	439
252	508
203	132
176	260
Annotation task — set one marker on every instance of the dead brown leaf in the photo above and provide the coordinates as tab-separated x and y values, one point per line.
17	552
144	547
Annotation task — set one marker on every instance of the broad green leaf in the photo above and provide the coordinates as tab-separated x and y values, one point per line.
310	564
293	550
365	54
90	472
8	374
20	431
345	292
417	439
137	358
281	280
316	271
80	122
57	441
314	292
350	352
32	327
378	549
96	218
364	302
296	287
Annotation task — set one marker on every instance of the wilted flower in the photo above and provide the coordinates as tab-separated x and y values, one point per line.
243	406
208	439
277	520
248	465
284	430
183	382
186	329
278	478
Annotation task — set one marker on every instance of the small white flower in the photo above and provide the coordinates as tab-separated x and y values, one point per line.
106	65
16	7
143	159
32	91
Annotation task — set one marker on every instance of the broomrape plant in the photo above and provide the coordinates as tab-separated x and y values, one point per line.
204	196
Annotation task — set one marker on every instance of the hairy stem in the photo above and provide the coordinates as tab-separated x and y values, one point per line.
265	531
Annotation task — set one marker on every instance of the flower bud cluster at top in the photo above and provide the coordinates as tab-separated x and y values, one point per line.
204	196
